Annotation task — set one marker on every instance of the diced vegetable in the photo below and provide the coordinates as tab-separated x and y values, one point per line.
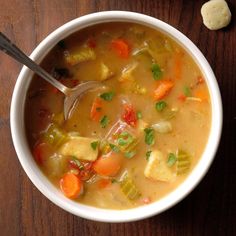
138	89
71	185
104	121
163	89
108	165
105	72
80	147
129	115
41	152
157	169
126	142
108	96
201	93
171	159
183	162
160	106
129	188
82	55
55	136
163	127
149	136
96	109
121	47
156	71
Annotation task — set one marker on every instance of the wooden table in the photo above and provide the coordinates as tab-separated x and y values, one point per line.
209	210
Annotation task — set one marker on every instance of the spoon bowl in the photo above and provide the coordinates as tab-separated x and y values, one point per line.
72	95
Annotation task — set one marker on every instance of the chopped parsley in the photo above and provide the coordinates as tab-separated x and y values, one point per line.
171	159
149	136
107	96
139	115
104	121
130	154
148	154
187	91
156	71
160	106
94	145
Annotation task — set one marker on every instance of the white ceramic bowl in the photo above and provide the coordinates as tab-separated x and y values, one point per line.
55	195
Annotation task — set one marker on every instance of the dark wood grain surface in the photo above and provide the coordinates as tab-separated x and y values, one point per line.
209	210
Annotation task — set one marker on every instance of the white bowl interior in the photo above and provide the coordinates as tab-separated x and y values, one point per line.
45	186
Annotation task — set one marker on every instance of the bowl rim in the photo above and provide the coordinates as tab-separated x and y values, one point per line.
94	213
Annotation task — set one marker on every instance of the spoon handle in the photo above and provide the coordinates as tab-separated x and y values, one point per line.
12	50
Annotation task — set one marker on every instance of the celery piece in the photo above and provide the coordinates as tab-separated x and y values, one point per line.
183	162
84	54
55	136
129	188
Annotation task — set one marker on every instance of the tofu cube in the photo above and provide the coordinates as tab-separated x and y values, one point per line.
157	169
80	147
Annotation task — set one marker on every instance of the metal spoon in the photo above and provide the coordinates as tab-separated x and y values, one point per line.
72	95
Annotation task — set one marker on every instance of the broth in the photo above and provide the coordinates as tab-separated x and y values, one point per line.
135	140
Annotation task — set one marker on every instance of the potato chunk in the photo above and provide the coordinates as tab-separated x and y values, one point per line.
216	14
157	168
80	147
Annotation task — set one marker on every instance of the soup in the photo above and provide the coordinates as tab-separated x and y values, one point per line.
131	141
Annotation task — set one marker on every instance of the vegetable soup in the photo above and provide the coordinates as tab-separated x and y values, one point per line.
131	141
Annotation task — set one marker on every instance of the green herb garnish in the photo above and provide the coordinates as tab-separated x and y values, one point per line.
130	154
124	139
114	148
156	71
149	136
107	96
94	145
187	91
139	115
148	154
171	159
160	106
104	121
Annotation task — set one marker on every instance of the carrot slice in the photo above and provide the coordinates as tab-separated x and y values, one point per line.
41	152
96	110
108	165
71	185
163	89
120	47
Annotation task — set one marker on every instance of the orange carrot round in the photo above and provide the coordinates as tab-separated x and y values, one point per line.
108	165
163	89
120	47
71	185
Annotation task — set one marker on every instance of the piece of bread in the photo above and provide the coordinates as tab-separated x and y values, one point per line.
216	14
157	169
